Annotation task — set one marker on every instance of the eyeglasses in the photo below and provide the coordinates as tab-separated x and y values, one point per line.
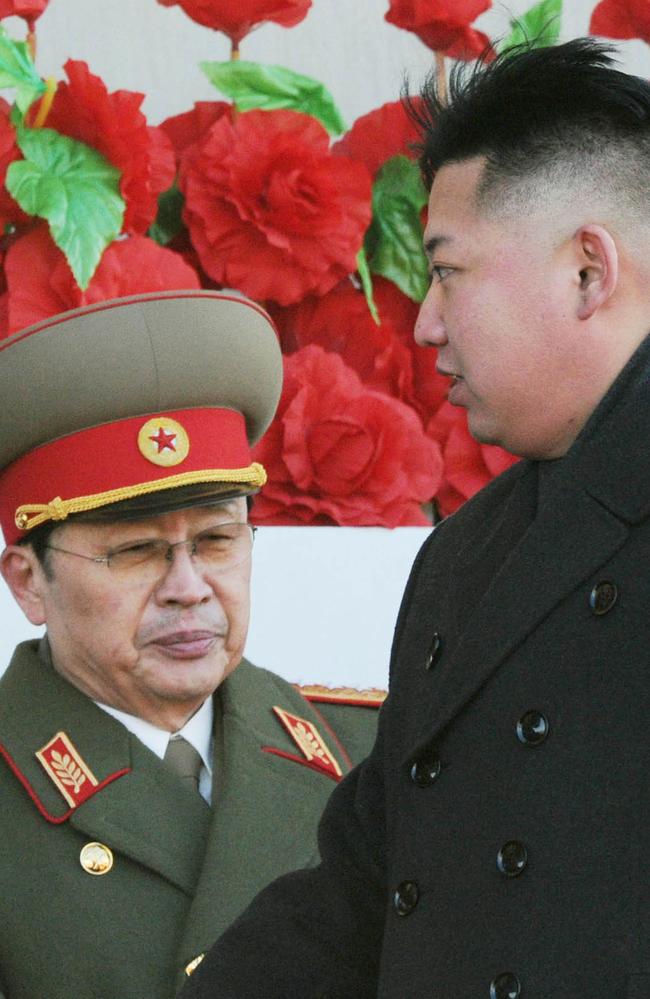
219	548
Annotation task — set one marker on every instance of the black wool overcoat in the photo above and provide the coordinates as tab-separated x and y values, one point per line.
496	843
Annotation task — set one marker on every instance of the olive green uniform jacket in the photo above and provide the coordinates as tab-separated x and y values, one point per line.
181	871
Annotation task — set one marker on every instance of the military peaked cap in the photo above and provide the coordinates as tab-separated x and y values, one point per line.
130	397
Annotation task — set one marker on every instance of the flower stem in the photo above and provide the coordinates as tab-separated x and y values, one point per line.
441	77
234	51
46	103
31	39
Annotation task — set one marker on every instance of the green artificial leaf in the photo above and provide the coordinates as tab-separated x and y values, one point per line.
538	27
254	85
17	71
394	239
366	283
169	220
75	189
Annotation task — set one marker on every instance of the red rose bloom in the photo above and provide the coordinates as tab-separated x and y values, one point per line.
621	19
270	210
443	25
340	322
377	136
468	465
385	357
237	19
339	453
29	10
114	125
183	130
41	283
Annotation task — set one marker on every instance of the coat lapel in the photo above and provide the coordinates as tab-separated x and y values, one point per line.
137	813
603	488
561	549
264	805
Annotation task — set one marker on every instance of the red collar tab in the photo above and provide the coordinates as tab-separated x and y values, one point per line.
66	768
314	749
57	768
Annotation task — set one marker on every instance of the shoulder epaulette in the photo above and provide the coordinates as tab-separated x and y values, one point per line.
317	694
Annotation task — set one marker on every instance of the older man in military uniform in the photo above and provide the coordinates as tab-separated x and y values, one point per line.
149	783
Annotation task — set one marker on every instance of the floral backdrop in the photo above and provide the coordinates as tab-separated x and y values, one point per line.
264	190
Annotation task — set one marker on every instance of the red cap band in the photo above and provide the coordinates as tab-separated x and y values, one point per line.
119	460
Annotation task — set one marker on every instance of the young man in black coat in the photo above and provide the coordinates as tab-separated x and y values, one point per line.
495	844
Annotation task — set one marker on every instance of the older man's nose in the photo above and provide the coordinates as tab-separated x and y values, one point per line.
184	580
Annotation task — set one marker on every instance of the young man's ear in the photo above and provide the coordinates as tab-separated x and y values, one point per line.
24	576
598	263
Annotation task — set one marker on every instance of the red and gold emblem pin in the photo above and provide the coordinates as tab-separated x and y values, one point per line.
67	769
310	743
163	441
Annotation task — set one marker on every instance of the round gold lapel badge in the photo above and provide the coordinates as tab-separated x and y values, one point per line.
95	858
163	441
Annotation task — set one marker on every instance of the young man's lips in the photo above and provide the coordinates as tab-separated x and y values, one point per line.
186	644
455	391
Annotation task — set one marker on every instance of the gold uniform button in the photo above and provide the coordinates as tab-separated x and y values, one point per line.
95	858
194	964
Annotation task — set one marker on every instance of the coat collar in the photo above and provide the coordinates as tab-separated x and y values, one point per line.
610	458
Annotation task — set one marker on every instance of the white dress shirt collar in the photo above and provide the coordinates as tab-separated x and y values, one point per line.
197	731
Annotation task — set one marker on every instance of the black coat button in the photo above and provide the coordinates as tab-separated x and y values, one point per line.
505	986
434	650
406	898
532	728
424	772
512	858
603	597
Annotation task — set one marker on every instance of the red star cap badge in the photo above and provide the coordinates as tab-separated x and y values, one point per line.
163	440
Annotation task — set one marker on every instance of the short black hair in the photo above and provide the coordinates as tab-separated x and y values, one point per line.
540	110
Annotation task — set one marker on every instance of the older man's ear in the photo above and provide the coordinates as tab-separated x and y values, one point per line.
24	576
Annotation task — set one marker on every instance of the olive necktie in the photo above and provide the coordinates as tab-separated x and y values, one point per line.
184	760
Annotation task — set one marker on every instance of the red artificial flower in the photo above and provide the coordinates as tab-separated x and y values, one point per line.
41	284
621	19
236	19
385	357
270	210
443	25
29	10
468	465
340	453
377	136
10	212
114	125
340	322
184	129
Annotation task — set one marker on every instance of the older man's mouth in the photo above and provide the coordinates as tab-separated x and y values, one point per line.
186	644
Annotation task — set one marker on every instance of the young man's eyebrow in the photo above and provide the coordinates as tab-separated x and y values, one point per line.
432	243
